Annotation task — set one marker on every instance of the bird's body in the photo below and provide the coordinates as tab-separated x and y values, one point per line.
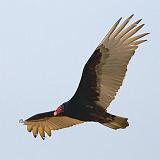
102	76
82	112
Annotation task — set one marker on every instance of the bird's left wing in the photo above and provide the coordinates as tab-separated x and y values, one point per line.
46	122
104	72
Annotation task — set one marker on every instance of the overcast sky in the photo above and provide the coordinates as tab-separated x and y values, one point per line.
44	45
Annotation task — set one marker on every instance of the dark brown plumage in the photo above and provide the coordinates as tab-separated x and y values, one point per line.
102	76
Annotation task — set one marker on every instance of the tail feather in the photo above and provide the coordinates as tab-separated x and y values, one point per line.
115	122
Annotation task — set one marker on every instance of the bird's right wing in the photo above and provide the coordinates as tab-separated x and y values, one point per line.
46	122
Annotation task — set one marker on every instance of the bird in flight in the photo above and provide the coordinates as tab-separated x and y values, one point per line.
102	77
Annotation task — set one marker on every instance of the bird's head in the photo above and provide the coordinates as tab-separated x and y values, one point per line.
59	110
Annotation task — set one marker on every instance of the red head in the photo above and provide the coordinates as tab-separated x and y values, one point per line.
59	110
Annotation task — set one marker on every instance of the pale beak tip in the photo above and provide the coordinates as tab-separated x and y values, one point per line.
55	113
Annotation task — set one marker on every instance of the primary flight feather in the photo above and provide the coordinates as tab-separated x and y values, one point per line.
102	76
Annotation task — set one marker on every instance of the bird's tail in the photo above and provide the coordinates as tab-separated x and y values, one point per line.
115	122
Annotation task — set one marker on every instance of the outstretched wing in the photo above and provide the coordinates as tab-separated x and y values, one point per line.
46	122
104	72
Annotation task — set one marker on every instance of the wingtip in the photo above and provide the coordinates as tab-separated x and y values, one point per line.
35	135
131	16
144	40
119	19
146	33
141	26
21	121
138	21
43	137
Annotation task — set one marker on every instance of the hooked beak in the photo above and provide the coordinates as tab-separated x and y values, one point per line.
55	113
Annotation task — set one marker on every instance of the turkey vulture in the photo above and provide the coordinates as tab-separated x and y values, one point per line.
102	76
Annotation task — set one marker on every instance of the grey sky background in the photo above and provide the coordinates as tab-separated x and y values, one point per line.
43	48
